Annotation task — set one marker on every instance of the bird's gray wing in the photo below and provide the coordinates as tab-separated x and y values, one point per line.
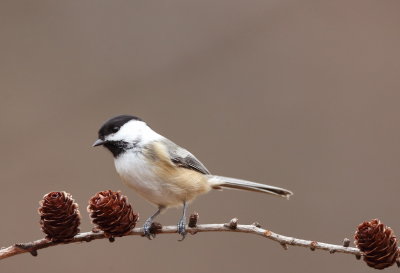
183	158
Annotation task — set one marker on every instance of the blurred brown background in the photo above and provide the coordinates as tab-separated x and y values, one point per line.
299	94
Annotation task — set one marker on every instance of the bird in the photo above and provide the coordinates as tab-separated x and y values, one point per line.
162	172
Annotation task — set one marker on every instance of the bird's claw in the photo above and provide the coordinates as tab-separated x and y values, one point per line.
182	229
147	230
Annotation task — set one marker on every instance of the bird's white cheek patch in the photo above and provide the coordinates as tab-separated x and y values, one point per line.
135	131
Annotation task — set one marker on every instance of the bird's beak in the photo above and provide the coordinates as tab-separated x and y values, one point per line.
98	142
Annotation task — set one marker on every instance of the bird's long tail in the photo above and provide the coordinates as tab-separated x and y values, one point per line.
218	182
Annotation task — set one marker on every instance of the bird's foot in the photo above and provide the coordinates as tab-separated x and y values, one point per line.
147	230
182	229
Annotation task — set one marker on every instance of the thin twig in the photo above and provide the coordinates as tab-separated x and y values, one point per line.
32	247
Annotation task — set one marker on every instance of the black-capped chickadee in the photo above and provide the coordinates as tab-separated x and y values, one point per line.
162	172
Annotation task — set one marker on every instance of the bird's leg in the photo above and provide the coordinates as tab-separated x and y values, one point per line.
149	221
182	223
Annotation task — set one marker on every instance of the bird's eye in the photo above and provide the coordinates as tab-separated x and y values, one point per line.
115	129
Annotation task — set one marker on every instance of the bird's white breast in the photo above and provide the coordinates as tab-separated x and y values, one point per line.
138	173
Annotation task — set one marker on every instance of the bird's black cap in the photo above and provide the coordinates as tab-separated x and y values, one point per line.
112	125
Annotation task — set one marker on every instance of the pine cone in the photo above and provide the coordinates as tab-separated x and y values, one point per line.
111	213
59	216
378	243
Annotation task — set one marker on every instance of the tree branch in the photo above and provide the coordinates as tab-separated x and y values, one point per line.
32	247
